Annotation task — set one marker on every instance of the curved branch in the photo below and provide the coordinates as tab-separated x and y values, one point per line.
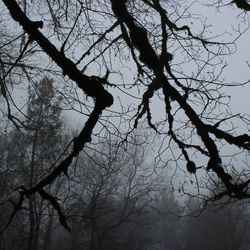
242	4
90	85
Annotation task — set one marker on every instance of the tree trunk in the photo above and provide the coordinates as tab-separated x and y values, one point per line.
47	237
31	199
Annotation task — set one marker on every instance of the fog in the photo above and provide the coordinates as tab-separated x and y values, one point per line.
165	167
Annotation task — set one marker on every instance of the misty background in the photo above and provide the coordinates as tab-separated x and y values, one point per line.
126	189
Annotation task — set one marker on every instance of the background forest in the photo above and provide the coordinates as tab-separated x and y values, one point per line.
109	198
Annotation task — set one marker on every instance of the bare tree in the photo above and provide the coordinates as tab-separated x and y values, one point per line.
109	192
174	66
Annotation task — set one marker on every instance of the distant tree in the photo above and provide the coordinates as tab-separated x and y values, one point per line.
42	143
34	151
225	227
11	155
111	193
156	227
167	227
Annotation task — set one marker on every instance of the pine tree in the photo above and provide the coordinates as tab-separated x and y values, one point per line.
42	142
